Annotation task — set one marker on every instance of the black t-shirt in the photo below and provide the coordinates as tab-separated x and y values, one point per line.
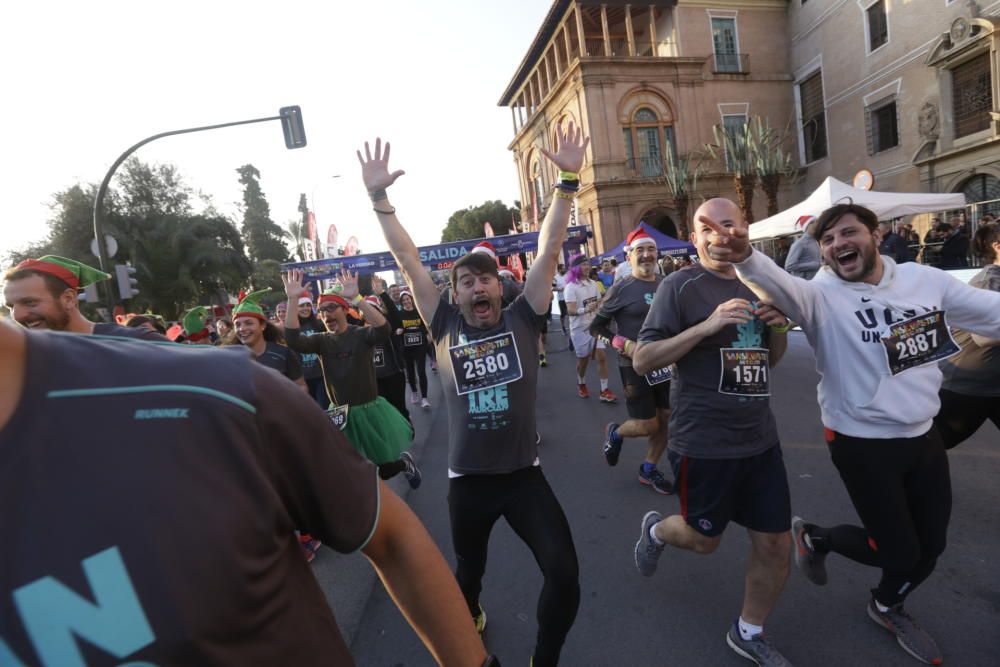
348	360
107	329
414	331
174	478
310	326
706	423
281	359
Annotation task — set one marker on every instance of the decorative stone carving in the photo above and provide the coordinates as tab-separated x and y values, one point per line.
928	121
959	29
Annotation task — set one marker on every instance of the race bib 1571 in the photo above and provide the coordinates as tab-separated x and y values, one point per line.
745	371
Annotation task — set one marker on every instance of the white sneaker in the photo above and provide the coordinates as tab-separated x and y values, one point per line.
425	404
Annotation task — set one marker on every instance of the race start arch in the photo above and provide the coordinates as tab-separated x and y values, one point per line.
433	256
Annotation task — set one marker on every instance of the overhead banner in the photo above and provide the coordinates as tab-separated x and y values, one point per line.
434	256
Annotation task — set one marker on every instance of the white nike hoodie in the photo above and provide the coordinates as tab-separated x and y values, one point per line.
844	322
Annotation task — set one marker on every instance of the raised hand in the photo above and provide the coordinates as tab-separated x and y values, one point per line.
571	148
293	286
732	244
734	311
375	170
349	282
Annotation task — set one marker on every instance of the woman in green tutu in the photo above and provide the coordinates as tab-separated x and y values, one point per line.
347	354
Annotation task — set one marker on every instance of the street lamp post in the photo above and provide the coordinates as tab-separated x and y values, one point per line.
295	137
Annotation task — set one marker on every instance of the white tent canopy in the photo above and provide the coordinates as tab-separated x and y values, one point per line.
886	205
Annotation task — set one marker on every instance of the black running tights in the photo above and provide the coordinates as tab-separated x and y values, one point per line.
961	415
901	489
416	366
526	501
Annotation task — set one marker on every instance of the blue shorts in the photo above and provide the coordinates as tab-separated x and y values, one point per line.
751	491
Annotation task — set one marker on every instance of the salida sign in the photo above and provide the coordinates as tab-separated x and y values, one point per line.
432	256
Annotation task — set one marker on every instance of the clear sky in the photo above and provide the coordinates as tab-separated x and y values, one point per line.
83	81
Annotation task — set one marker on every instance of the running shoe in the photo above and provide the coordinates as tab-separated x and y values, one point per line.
582	391
412	472
608	396
612	444
647	552
434	367
309	546
414	398
480	620
913	638
425	404
655	479
809	561
541	361
756	649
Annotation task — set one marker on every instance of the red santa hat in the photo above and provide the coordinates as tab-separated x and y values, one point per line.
486	247
638	238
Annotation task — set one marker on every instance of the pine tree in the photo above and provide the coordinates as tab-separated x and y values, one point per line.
264	238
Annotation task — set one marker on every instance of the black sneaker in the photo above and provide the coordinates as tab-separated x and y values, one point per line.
756	649
913	638
412	472
655	479
612	444
809	561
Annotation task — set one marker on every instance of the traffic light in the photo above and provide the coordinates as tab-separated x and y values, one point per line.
291	125
128	285
89	294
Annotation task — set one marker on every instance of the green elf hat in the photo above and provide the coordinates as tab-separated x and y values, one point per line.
70	271
249	306
194	323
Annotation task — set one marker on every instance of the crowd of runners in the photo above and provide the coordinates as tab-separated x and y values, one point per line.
185	483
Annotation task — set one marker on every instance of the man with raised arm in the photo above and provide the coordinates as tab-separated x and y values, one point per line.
879	330
486	358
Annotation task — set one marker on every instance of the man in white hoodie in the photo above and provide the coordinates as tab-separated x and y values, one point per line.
878	330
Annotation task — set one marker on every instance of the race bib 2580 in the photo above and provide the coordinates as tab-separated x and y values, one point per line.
485	363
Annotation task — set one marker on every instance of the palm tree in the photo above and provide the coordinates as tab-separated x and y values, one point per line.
736	148
680	178
772	162
297	231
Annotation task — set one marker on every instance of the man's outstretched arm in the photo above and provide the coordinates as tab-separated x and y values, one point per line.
571	150
376	175
417	577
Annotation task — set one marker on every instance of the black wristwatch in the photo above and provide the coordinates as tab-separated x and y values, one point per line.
491	661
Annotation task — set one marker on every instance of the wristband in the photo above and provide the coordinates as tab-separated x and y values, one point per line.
782	329
378	195
562	185
378	210
562	194
357	299
569	176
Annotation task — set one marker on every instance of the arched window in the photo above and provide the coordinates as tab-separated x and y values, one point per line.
645	139
983	188
537	189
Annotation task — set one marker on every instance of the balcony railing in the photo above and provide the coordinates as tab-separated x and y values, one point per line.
732	63
646	167
594	48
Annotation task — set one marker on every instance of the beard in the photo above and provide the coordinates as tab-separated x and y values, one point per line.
57	320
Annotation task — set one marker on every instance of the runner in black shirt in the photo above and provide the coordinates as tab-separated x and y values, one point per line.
42	294
415	346
486	354
646	397
310	325
182	551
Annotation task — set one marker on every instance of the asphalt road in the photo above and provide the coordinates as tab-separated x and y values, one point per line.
680	616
